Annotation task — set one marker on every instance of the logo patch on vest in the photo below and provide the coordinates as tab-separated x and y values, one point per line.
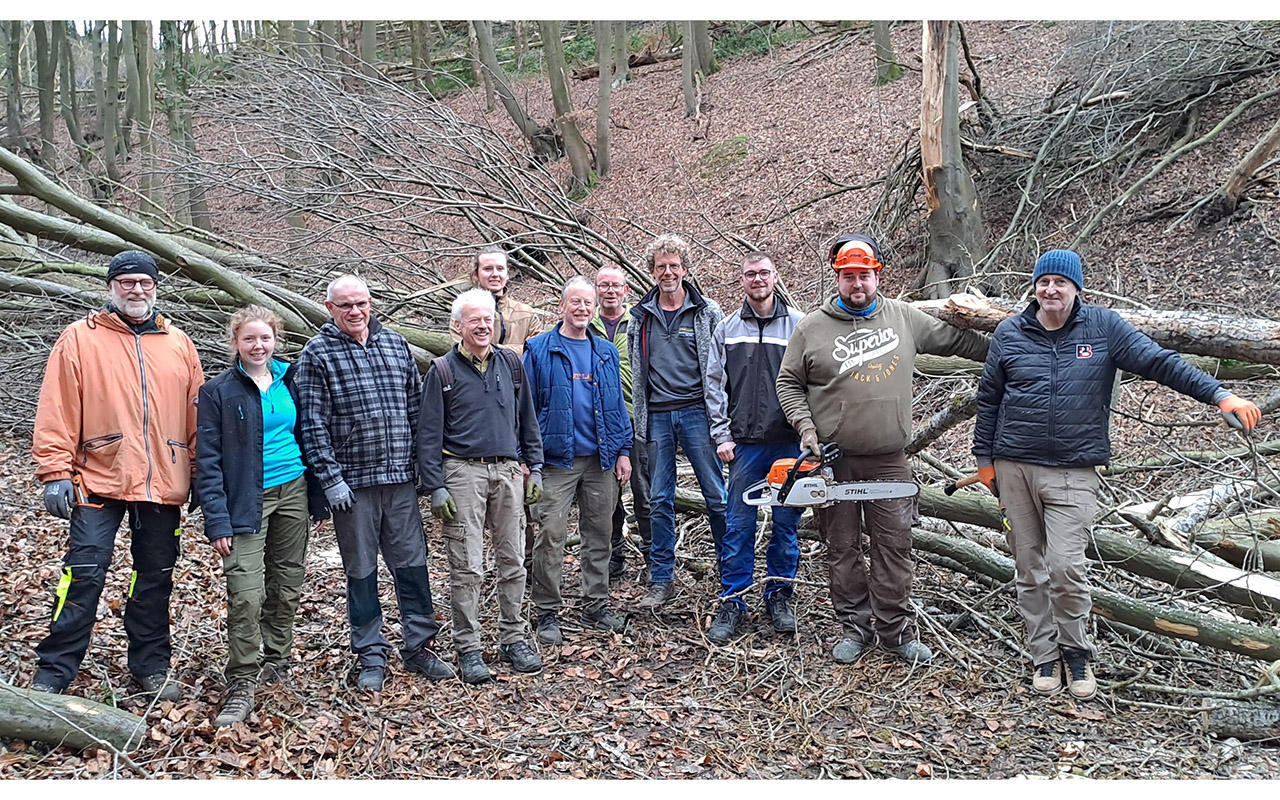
1084	351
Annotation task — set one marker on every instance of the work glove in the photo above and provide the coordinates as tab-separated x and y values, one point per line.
809	441
340	497
987	477
59	498
533	487
442	505
1247	413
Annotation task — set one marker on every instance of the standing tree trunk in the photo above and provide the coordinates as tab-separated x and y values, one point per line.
621	71
129	57
518	43
369	46
172	99
148	182
111	126
603	58
415	54
688	66
541	139
99	82
553	51
14	138
328	36
302	40
70	106
957	237
702	46
46	68
888	69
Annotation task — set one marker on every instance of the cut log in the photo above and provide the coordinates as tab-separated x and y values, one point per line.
1236	637
64	720
1249	540
1182	527
642	59
1248	722
1222	369
1189	457
1197	332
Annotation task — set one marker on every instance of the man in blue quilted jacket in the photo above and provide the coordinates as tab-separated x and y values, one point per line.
1042	428
576	379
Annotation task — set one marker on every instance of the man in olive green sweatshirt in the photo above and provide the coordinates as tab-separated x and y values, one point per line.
846	378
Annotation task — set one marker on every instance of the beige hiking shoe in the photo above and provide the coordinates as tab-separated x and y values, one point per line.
1080	681
237	705
1048	678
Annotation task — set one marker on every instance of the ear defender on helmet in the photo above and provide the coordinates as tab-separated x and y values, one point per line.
855	251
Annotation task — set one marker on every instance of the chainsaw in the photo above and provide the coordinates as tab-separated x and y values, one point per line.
808	482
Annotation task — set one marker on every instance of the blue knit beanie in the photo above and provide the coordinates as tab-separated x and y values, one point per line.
1060	262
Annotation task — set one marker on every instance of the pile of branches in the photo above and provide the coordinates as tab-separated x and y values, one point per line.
1133	97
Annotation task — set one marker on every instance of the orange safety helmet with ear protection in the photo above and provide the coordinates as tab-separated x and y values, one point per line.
855	251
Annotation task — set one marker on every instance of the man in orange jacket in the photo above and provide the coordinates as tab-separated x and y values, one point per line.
114	435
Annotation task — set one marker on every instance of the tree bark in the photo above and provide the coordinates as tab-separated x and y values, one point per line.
129	56
688	66
1195	332
111	126
1250	540
541	140
149	185
369	46
1247	722
603	91
46	69
574	145
703	48
1225	370
69	103
99	82
957	237
1224	202
171	99
65	720
328	36
621	61
14	137
888	69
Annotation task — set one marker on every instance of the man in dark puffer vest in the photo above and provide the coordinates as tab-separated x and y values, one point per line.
1042	428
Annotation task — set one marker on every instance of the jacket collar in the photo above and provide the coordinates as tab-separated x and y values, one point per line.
111	318
332	330
649	303
832	309
597	321
1027	319
554	342
780	309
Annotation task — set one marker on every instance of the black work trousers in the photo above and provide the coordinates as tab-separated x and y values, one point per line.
154	543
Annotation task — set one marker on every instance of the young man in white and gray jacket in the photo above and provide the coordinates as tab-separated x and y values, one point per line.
750	432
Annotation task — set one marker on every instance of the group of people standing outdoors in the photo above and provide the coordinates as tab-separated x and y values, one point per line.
515	424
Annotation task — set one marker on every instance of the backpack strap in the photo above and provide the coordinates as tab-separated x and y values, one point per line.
517	368
444	371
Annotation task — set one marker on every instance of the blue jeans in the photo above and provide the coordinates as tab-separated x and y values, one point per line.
750	464
687	428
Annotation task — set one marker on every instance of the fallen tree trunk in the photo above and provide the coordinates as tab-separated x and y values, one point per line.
1222	369
1198	332
65	720
1252	539
1190	457
1249	640
1182	570
1246	722
642	59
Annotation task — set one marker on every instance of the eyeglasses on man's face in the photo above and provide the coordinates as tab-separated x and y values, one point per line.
359	305
610	287
129	284
758	275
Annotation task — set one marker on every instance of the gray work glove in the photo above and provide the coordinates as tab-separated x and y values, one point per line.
533	487
809	441
442	505
340	497
59	498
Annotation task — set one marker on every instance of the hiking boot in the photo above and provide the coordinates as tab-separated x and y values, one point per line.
616	567
371	677
48	685
473	667
727	623
912	652
236	705
847	651
426	662
1080	681
548	630
271	674
160	685
780	613
659	593
1048	678
602	619
520	657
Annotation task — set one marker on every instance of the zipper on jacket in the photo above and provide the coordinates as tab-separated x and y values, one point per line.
1053	400
146	411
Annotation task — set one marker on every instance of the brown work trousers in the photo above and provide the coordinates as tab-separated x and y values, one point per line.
1050	510
872	599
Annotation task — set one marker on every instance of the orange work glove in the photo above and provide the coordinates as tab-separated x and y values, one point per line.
1246	412
987	477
